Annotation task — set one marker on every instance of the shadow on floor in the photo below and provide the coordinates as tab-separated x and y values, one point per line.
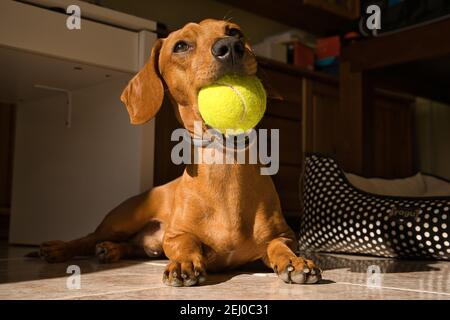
29	269
361	264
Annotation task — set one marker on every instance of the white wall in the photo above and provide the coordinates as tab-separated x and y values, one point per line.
176	13
66	180
433	133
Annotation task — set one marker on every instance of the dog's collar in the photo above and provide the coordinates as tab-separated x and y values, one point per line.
200	143
241	140
196	142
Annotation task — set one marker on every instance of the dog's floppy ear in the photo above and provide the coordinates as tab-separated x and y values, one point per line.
144	93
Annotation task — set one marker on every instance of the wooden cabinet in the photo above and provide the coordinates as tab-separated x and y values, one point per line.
415	61
392	136
388	141
321	107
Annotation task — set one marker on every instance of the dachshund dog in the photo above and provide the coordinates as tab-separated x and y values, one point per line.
215	216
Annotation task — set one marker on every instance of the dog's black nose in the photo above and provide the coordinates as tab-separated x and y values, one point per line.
228	49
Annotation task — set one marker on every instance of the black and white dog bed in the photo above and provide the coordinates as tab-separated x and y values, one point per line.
339	217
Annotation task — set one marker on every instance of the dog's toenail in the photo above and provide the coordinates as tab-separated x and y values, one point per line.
184	275
290	268
306	270
313	271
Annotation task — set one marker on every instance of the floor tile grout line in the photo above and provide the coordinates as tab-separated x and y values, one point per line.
395	288
105	293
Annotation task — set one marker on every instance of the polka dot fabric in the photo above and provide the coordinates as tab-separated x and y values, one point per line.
337	217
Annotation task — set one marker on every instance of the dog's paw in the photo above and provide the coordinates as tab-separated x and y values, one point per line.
298	270
184	274
108	252
55	251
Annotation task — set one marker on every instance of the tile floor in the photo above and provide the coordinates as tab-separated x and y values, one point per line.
345	277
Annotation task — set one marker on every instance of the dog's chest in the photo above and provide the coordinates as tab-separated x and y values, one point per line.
231	248
229	259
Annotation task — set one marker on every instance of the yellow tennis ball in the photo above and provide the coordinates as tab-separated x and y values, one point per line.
233	104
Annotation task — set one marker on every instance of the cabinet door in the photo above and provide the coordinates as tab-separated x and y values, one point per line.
321	104
392	137
389	128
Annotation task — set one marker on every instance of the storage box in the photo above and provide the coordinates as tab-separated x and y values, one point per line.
303	56
328	47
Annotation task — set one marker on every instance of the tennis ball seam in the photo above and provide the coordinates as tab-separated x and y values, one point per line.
238	93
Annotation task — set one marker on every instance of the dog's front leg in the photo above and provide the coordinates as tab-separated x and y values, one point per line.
186	266
290	268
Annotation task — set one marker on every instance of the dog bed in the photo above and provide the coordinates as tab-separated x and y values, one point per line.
407	218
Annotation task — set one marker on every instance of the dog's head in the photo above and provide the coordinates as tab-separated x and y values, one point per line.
184	62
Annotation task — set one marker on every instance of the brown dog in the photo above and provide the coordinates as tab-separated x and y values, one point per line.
213	217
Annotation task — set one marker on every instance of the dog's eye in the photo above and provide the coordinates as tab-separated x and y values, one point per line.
181	46
233	32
